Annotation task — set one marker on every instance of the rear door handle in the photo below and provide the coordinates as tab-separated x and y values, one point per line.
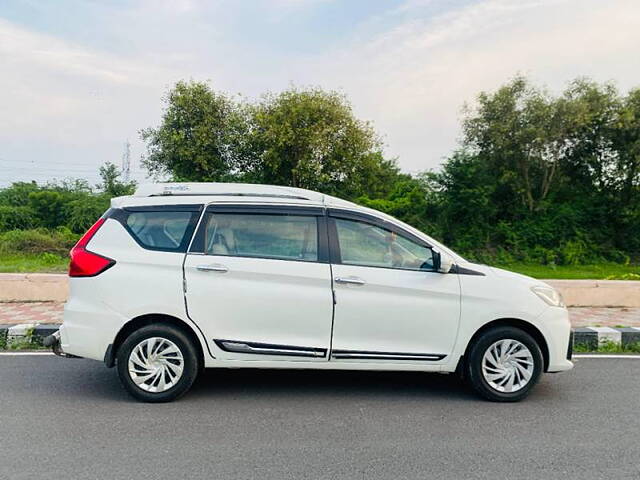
350	280
215	267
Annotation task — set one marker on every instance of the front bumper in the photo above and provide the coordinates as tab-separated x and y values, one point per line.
556	328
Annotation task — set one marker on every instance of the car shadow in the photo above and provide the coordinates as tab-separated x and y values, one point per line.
85	379
76	379
314	383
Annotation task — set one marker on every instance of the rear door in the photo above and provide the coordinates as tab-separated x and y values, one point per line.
391	305
258	282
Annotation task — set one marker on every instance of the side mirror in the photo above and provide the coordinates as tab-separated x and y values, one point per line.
442	262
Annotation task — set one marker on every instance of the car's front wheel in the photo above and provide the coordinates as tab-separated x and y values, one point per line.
504	364
157	363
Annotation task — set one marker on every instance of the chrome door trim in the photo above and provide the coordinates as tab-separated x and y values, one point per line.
254	348
367	355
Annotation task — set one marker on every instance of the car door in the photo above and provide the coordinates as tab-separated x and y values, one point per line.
391	305
258	282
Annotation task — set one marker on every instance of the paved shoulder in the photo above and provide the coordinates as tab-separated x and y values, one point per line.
13	313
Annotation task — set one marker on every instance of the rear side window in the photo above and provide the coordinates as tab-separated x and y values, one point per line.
284	237
166	229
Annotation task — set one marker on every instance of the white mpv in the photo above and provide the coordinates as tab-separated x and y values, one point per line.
184	276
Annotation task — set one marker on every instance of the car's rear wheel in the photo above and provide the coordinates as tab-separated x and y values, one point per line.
504	364
157	363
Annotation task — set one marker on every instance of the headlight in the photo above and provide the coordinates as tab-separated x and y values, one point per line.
549	295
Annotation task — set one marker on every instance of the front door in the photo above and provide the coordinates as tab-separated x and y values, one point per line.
391	306
258	283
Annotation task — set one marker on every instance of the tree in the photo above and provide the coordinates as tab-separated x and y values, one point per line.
111	184
311	139
202	136
538	177
302	138
517	131
590	113
626	142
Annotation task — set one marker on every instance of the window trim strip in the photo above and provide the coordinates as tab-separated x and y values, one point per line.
304	211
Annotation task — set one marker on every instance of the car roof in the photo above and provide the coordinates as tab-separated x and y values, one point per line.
185	193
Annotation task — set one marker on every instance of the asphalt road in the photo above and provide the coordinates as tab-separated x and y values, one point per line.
64	418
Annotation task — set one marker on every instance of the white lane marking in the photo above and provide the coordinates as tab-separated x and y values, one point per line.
596	355
19	354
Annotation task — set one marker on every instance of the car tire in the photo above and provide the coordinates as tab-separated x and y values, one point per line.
157	363
504	364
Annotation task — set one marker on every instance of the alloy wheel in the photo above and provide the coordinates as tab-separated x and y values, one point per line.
156	364
507	365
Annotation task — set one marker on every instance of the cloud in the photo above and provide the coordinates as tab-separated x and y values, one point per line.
45	79
413	79
409	68
65	103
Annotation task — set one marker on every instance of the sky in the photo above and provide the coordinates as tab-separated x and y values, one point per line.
78	79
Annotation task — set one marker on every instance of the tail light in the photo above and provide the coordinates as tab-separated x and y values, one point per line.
85	263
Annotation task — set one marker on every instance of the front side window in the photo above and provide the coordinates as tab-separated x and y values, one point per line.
285	237
365	244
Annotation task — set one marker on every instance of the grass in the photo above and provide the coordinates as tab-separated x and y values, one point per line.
33	262
52	263
607	346
29	342
603	271
24	345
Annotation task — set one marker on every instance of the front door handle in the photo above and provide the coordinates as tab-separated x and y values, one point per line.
350	280
216	267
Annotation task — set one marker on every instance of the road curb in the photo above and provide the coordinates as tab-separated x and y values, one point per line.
590	337
10	334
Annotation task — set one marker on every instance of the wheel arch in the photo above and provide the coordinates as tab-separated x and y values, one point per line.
149	319
528	327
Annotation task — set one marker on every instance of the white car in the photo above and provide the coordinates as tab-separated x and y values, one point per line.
184	276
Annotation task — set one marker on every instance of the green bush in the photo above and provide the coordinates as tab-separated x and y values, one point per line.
17	218
17	195
49	207
575	252
624	276
83	213
56	242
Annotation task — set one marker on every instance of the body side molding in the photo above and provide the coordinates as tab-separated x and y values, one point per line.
368	355
237	346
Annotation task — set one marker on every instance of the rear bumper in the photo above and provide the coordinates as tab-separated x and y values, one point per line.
86	332
53	341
